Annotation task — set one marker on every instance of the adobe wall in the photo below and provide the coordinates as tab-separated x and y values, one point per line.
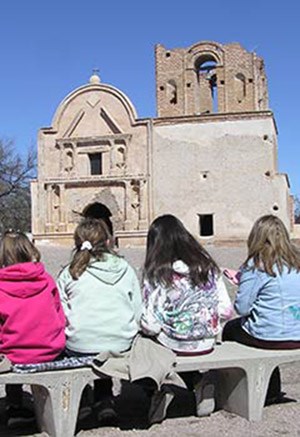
226	168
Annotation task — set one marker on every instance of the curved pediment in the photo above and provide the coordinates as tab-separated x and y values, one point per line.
94	110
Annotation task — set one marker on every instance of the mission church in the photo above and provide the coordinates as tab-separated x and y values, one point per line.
209	157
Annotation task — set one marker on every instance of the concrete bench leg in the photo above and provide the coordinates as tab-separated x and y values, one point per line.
57	406
243	391
258	382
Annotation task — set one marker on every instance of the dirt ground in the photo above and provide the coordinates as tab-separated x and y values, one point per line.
278	420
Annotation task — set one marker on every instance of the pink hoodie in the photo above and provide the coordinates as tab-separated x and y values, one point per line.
32	321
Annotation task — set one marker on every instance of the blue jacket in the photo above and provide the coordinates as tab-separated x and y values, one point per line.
271	305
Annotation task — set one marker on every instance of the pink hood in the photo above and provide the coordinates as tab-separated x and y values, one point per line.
32	321
23	280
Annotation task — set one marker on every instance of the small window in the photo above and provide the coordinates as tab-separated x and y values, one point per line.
96	163
206	225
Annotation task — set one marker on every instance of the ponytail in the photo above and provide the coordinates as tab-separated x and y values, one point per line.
79	263
92	240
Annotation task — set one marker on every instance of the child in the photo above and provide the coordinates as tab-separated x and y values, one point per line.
32	321
184	294
184	299
268	298
102	300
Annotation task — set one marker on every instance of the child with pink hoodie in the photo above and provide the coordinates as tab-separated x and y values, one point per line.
32	320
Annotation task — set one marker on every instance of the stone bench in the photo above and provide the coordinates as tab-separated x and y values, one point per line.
243	377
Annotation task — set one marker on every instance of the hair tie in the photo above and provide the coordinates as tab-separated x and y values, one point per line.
86	245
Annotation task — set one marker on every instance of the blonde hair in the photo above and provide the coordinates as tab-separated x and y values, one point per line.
15	248
269	245
92	240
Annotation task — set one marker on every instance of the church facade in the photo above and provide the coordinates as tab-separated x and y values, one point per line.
209	157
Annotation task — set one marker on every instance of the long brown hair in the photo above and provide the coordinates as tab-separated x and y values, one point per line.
168	241
15	248
269	245
95	233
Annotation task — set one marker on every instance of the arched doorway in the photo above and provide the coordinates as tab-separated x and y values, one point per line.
99	211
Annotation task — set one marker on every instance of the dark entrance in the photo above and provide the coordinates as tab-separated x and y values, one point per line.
99	211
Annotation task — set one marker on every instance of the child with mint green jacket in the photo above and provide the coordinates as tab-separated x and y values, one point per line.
102	301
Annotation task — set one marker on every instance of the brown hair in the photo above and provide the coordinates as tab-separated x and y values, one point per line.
15	248
269	245
95	232
168	241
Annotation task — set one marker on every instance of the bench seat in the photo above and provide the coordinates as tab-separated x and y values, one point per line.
243	374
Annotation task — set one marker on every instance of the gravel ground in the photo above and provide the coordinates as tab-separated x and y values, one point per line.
278	420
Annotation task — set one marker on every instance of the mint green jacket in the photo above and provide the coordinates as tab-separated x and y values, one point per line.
103	307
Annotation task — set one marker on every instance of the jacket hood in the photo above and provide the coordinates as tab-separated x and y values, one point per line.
23	280
110	270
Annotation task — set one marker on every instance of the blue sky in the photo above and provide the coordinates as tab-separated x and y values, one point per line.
48	48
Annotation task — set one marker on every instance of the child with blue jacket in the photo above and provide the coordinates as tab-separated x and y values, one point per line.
268	297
